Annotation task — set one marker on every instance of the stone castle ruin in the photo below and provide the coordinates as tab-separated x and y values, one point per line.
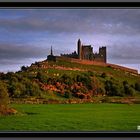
85	55
85	52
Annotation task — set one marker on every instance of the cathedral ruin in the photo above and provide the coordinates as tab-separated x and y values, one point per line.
85	52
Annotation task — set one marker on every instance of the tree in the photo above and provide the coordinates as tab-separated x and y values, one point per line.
86	80
23	68
108	87
103	75
17	89
32	89
4	101
67	94
8	76
113	88
4	98
127	89
137	86
90	73
66	79
41	77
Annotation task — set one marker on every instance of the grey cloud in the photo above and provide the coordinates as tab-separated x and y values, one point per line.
128	53
121	27
20	51
74	20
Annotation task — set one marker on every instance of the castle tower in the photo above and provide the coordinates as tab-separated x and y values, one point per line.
79	48
102	53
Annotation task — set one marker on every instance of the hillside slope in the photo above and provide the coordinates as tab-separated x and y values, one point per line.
69	79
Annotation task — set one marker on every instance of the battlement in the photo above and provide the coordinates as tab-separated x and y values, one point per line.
85	52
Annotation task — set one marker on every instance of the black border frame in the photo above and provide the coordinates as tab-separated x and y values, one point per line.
36	5
71	134
69	4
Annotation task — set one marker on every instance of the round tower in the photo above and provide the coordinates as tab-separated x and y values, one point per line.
51	51
79	48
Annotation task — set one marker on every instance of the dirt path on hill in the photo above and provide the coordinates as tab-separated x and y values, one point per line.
68	68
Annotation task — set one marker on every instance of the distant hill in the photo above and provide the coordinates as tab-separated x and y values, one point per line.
70	79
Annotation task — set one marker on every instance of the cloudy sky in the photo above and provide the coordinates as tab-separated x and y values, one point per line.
26	35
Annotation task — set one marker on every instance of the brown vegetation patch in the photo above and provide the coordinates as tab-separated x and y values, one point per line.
7	111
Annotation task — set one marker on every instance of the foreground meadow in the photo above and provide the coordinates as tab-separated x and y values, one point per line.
72	117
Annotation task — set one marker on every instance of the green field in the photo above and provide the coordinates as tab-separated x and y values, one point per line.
72	117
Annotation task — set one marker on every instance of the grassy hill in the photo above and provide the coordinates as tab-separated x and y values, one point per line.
105	96
72	81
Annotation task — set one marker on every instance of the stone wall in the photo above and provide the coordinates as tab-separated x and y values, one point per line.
98	63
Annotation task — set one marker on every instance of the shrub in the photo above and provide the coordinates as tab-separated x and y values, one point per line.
17	89
4	97
23	88
41	77
32	89
128	90
91	73
105	100
137	86
51	81
82	96
7	76
117	90
66	79
23	68
67	94
86	80
100	90
108	87
113	89
103	75
83	90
